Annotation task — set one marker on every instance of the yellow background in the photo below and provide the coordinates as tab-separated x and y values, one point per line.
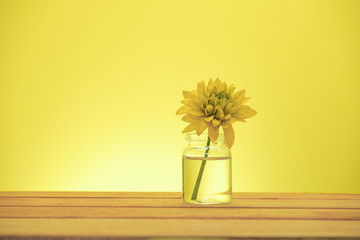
89	90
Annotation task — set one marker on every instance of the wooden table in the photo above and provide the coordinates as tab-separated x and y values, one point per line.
164	214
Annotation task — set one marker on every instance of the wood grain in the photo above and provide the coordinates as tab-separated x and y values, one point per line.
156	214
177	195
184	213
177	203
145	228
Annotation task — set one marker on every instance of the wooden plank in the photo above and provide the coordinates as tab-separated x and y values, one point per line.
126	228
166	202
177	195
83	194
298	196
184	213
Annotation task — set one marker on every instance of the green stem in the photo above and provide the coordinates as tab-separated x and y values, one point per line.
198	180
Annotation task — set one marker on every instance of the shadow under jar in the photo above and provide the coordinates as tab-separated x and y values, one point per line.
206	168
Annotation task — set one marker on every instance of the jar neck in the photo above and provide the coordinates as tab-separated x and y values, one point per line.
202	139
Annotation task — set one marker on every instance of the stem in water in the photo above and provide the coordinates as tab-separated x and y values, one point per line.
198	180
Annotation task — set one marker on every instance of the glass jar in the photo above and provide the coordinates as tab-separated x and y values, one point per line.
206	170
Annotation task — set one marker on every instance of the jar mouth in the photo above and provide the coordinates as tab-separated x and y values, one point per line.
202	137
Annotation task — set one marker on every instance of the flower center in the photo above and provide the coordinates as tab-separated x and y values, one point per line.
217	98
221	96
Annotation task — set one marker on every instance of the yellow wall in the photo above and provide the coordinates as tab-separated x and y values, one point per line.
89	90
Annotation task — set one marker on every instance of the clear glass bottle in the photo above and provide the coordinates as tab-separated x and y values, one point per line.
206	170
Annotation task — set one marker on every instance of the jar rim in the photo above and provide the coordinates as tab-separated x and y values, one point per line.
202	137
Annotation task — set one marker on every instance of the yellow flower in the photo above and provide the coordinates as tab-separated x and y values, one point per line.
214	106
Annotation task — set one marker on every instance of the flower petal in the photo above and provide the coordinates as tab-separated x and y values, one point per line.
192	103
197	112
183	110
250	113
209	110
194	94
190	127
201	127
239	109
217	85
231	89
227	108
223	104
238	95
187	94
190	118
227	116
201	88
232	120
213	133
208	119
223	87
229	136
215	122
202	100
210	86
219	113
244	100
224	124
